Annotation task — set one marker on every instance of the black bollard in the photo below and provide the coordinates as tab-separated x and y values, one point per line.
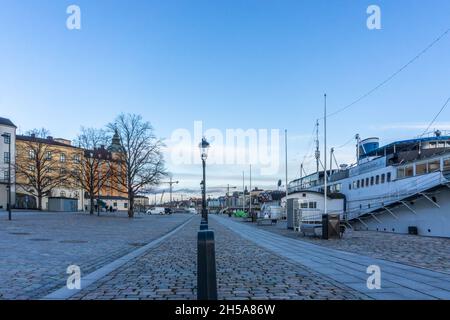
206	266
203	226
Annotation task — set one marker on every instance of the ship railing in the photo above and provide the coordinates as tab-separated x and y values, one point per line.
414	187
315	216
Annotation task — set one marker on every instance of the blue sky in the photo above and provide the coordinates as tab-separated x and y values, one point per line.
231	64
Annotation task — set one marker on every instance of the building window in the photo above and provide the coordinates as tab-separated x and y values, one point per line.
31	168
6	175
6	157
62	194
76	158
31	154
7	138
62	157
125	205
49	155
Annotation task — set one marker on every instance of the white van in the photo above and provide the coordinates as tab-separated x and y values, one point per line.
156	210
192	210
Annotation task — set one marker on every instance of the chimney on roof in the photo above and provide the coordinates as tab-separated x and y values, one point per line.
33	135
49	138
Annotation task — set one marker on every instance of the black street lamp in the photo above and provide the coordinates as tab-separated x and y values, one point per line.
204	146
7	137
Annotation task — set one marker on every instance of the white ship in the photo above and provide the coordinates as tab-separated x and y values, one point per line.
402	187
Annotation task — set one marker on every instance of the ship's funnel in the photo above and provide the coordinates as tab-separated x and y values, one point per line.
368	145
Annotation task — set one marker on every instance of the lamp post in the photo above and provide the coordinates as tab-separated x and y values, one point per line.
204	146
7	137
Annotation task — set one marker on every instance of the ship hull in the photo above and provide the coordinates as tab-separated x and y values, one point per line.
430	215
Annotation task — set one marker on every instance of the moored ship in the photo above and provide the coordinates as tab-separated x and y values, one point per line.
402	187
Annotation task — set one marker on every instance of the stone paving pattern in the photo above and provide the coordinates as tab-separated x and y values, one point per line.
425	252
36	248
244	271
398	280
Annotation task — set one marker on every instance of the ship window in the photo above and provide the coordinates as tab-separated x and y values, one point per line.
372	179
362	183
441	144
434	166
409	171
350	185
357	184
313	205
383	178
388	177
421	168
338	187
447	164
304	205
367	182
377	180
400	173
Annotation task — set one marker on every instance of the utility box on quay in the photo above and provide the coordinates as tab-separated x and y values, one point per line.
330	226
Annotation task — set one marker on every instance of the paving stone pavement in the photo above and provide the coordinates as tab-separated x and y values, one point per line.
244	271
398	281
37	247
426	252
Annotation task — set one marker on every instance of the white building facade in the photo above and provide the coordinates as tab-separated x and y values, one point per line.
7	153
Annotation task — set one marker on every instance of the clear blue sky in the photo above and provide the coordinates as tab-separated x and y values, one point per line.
233	64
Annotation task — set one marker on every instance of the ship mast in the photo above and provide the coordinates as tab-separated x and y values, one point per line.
317	154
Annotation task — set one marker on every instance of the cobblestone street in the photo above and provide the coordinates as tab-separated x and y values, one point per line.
36	248
427	252
244	271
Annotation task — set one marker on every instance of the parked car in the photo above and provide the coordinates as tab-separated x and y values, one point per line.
156	210
192	210
167	211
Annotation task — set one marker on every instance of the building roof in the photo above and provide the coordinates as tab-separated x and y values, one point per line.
47	140
6	122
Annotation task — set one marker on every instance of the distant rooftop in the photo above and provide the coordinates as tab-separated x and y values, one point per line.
6	122
48	140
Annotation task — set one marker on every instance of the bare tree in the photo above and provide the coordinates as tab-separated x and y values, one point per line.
141	156
92	171
38	170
